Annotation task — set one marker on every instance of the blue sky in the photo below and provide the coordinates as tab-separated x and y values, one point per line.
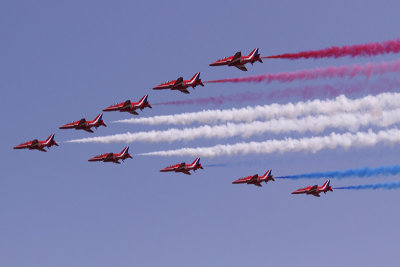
64	60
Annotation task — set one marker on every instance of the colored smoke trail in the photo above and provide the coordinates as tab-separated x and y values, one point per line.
345	71
315	124
339	104
360	173
308	144
218	100
370	49
215	165
304	92
393	185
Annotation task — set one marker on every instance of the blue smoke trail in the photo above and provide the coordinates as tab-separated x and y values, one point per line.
362	173
216	165
393	185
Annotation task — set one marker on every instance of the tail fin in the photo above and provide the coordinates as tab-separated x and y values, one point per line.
99	121
269	174
98	118
326	184
195	162
254	53
143	99
196	78
125	150
49	139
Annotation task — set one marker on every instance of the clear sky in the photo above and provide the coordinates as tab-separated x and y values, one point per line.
64	60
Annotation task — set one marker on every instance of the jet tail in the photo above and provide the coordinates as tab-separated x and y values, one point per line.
99	121
268	174
98	118
254	53
255	56
49	140
125	153
196	78
143	100
326	186
195	163
125	150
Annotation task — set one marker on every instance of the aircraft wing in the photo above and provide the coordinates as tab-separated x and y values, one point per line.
236	58
258	184
109	156
313	190
133	112
178	83
181	167
241	67
41	149
186	172
34	144
184	90
316	194
82	122
89	130
254	178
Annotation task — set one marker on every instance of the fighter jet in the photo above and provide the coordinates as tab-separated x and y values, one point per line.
82	124
315	190
180	84
130	107
183	167
39	145
111	157
238	60
255	179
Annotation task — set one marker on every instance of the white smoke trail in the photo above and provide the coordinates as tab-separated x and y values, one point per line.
309	144
315	124
267	112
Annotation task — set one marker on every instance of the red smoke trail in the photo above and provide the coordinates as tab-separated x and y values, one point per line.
371	49
351	71
219	100
303	92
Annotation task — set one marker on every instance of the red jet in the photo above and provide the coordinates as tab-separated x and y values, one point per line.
315	190
180	84
238	61
255	179
183	167
82	124
39	145
111	157
130	107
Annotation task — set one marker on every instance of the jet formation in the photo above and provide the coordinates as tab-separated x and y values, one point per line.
181	85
